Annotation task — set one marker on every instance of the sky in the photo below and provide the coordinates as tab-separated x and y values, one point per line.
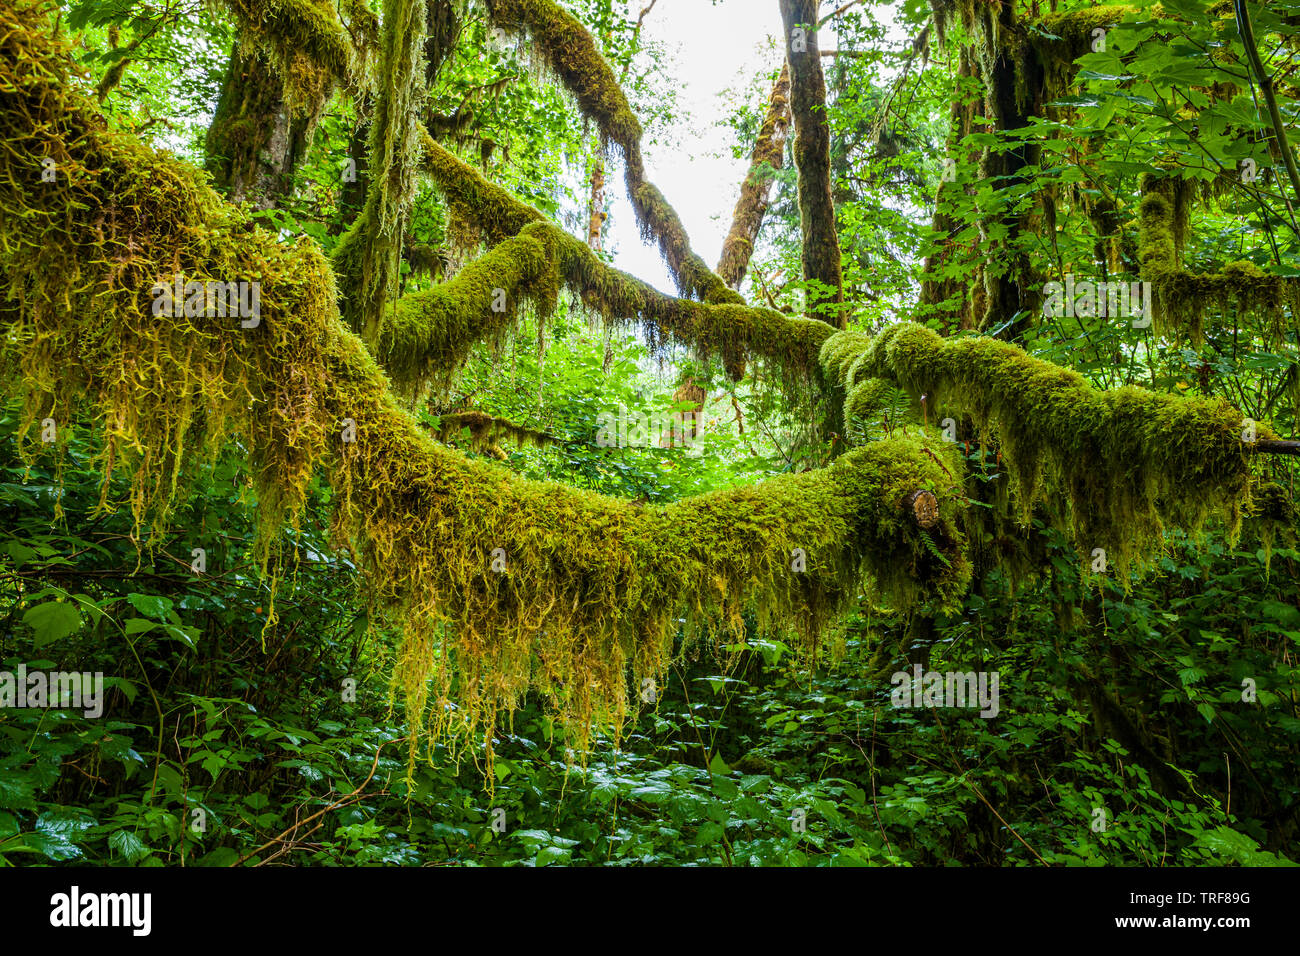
710	49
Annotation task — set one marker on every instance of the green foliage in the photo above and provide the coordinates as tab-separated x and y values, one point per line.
648	678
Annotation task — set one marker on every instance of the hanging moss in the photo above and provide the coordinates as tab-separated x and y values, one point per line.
569	50
584	592
1239	290
1127	460
432	332
480	209
486	432
1070	35
1274	516
367	258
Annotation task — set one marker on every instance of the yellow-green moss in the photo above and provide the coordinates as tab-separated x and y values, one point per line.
431	332
1128	461
1239	291
477	205
309	41
571	53
588	591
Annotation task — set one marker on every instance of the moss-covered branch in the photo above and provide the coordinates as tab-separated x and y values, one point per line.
1239	290
495	584
477	206
768	155
431	332
1128	461
571	53
487	431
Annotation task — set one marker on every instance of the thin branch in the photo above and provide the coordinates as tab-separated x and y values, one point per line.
1266	88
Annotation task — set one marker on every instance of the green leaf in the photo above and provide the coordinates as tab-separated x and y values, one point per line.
126	843
151	605
52	621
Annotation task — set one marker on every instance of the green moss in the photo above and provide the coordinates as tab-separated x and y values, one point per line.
1127	461
429	334
571	53
588	591
368	257
309	42
478	206
1239	292
1274	516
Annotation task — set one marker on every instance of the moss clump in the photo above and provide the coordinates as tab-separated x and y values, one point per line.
309	42
1274	515
1240	290
1128	461
496	584
843	361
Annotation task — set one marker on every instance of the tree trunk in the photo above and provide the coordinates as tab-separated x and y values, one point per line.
256	139
769	154
812	154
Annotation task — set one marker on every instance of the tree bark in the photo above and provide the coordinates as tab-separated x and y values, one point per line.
256	139
769	154
812	152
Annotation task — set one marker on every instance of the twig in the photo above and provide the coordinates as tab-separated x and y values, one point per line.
319	813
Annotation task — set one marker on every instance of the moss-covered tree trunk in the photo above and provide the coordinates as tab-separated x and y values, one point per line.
1010	285
366	260
768	155
257	138
812	154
